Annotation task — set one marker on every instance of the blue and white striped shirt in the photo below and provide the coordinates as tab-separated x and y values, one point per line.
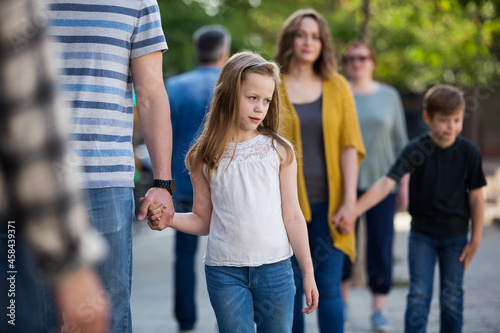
94	41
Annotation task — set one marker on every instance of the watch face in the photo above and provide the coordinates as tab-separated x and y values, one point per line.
172	187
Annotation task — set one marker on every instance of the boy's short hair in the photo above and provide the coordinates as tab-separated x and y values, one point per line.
443	98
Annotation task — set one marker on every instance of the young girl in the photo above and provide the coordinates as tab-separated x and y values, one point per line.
244	178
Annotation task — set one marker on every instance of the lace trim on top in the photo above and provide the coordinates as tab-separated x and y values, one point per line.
254	149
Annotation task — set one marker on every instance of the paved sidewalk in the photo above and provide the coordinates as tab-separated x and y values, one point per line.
152	287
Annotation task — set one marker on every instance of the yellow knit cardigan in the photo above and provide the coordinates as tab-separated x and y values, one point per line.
340	130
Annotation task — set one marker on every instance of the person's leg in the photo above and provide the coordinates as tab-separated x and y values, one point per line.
112	214
451	277
421	262
33	309
273	291
185	278
345	286
328	262
380	235
347	271
231	298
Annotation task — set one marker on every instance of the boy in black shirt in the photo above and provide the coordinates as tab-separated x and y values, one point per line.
445	192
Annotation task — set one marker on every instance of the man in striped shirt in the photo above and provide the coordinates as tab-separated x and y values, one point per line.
104	48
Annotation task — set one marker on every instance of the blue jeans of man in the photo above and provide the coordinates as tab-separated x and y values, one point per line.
244	296
423	250
185	277
112	214
328	263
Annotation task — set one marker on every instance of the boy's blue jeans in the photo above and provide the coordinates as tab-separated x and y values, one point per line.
423	250
242	296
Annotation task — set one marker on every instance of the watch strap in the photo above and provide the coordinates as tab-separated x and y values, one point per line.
169	185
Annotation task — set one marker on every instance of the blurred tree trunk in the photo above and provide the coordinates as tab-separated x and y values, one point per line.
366	22
358	273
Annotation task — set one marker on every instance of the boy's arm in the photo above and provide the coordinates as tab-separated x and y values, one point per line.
476	203
296	228
402	193
376	193
197	222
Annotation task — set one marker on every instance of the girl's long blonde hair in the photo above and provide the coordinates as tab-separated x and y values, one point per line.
222	121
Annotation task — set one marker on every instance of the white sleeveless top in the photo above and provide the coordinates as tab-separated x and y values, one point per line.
246	228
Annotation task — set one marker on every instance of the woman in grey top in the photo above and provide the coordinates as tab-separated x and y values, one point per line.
382	122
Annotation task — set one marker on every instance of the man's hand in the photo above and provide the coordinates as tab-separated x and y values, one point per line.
155	195
83	302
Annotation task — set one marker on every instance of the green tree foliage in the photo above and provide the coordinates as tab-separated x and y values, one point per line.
418	43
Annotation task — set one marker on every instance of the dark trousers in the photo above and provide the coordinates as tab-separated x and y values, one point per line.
380	237
185	278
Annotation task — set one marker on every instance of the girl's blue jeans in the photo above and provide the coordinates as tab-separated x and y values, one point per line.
423	251
328	264
246	296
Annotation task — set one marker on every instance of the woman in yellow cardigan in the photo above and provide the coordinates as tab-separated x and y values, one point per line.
319	118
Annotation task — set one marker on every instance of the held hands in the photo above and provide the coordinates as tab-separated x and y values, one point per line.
153	196
312	294
345	218
155	212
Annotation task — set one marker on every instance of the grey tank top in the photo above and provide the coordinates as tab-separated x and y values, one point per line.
313	154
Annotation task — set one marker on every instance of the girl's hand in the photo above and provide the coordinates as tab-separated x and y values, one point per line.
155	212
312	295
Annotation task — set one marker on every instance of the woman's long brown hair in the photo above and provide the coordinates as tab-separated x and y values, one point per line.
326	64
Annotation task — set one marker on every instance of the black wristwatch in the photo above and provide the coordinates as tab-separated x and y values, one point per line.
169	185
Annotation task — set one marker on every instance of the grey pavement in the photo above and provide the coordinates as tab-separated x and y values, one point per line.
152	287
